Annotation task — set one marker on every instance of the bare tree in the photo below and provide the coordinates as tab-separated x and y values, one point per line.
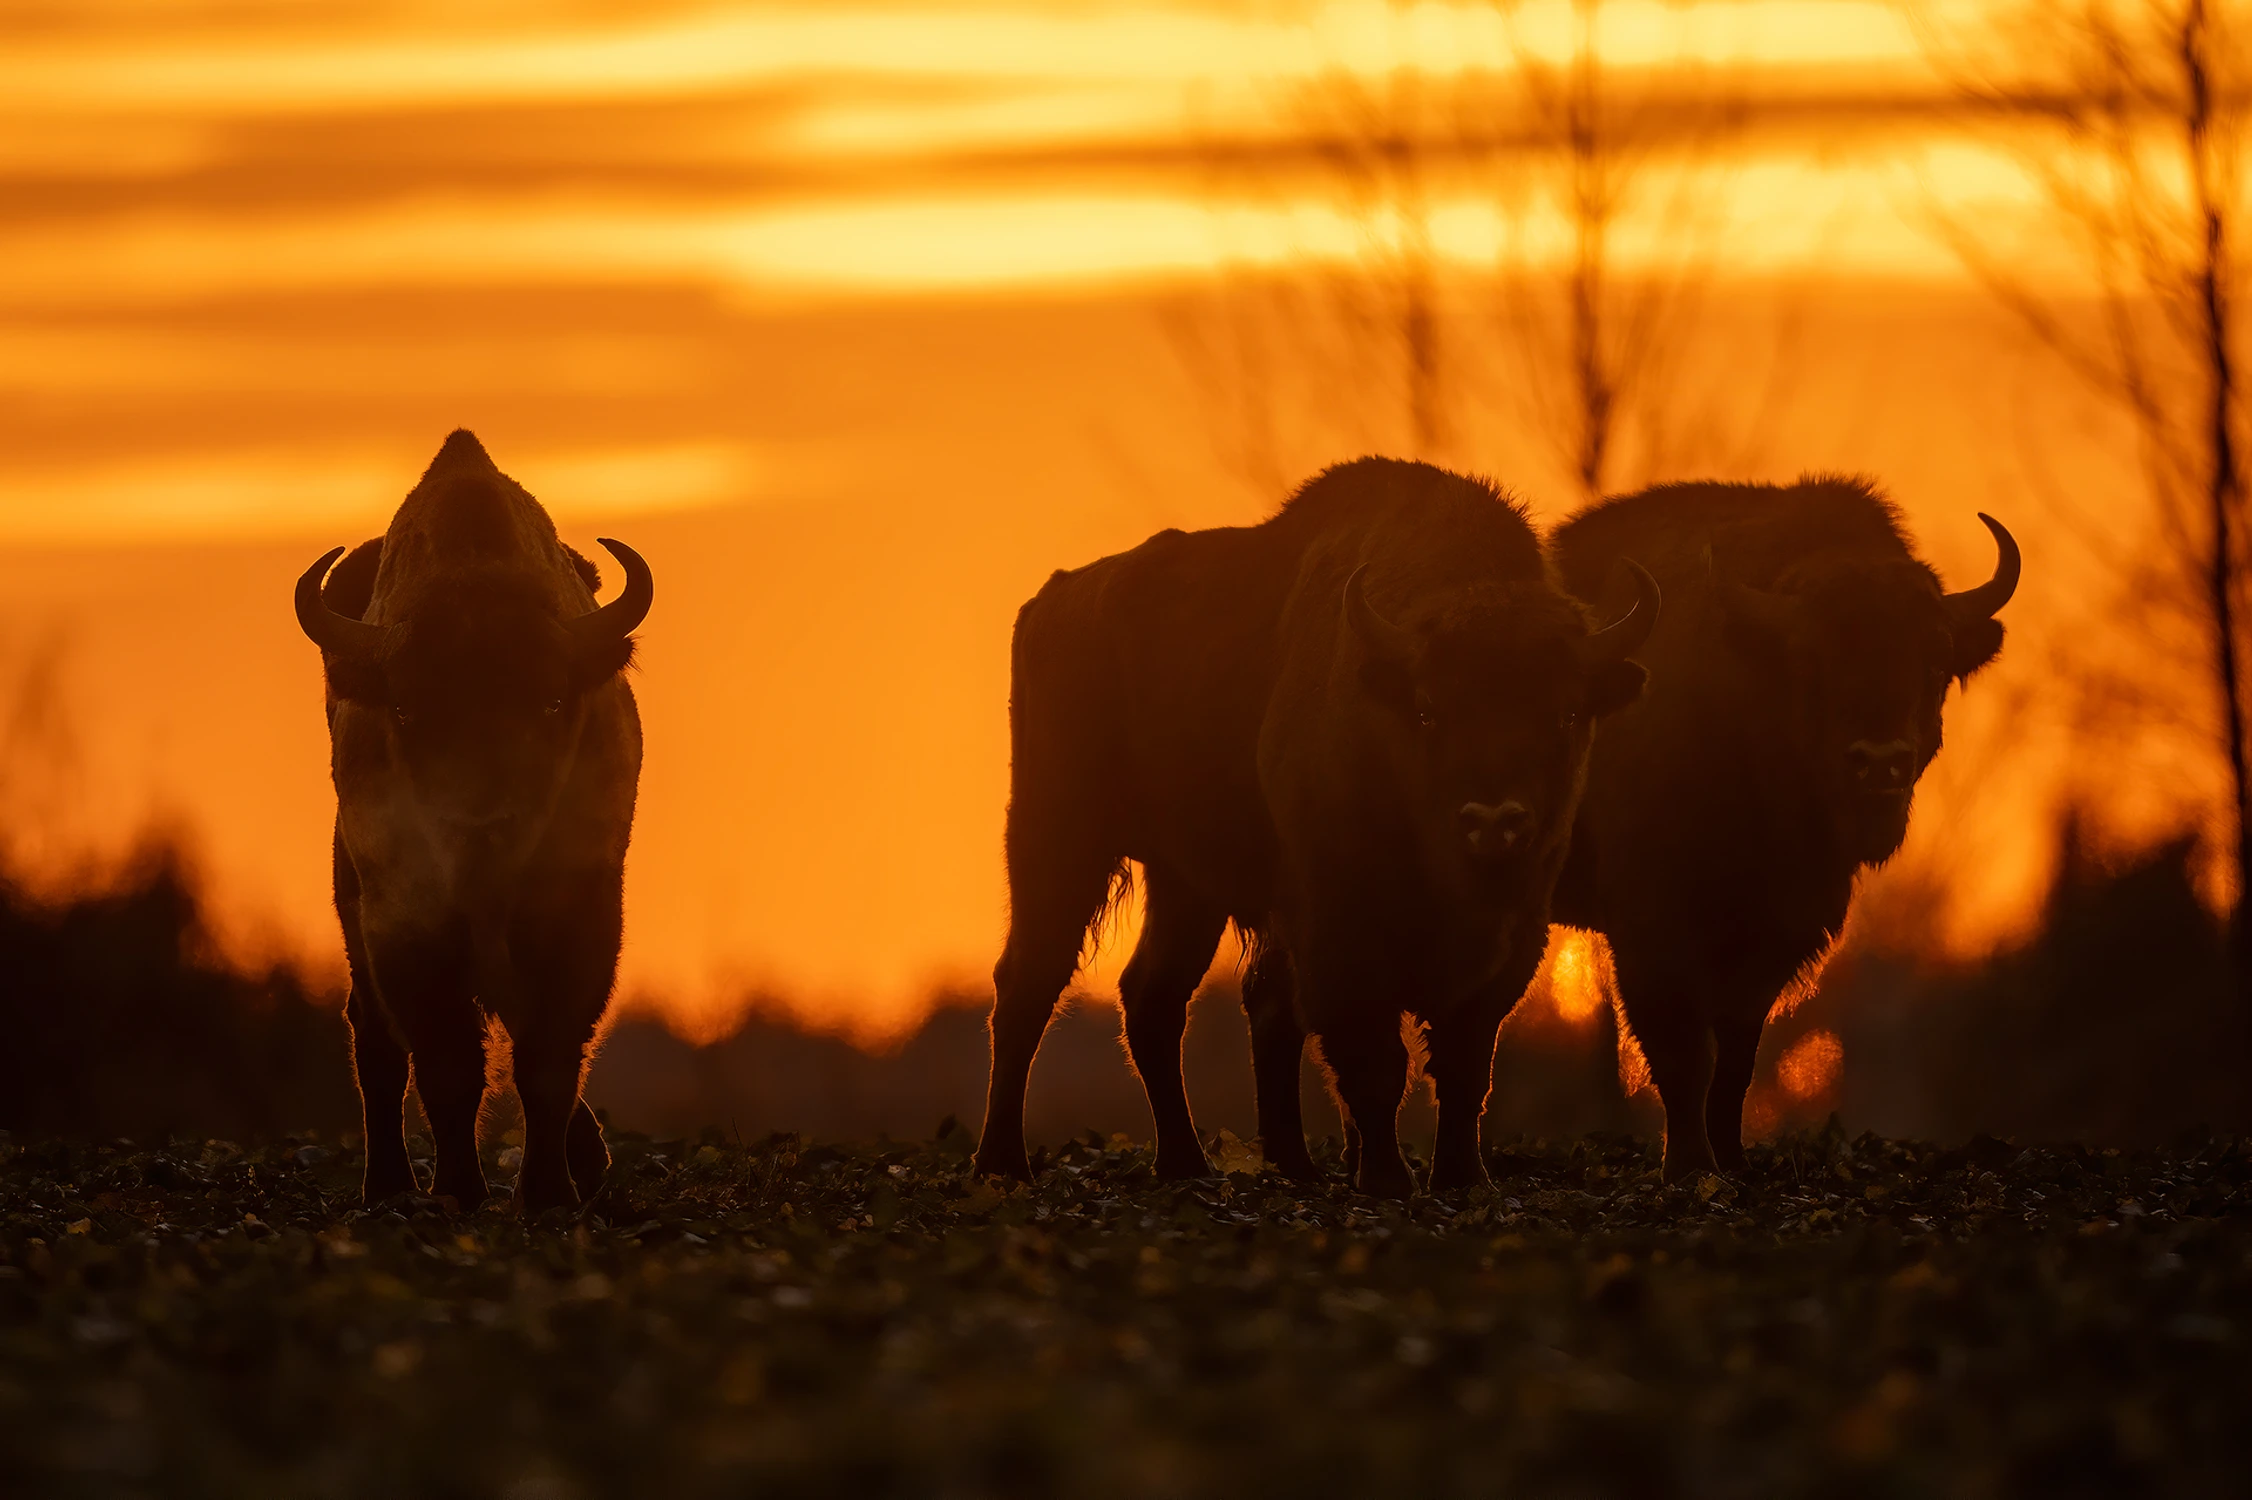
1599	347
1585	353
40	757
2130	116
1331	355
1387	144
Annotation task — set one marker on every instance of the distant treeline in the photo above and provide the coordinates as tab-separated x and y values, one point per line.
2116	1024
2113	1025
118	1018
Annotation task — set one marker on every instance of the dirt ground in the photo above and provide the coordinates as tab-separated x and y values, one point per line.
1851	1317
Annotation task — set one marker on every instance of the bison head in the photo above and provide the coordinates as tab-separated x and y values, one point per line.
1868	650
1490	709
482	688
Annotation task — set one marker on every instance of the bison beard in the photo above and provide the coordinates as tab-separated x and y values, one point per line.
1803	663
486	752
1359	732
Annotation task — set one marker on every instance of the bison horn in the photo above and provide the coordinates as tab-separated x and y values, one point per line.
1624	636
338	635
1384	640
614	621
1984	601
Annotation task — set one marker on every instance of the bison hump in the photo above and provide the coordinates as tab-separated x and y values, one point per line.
589	574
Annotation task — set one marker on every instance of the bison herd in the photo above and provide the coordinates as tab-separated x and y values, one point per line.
1389	734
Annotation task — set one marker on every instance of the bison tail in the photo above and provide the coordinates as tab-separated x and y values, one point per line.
1116	899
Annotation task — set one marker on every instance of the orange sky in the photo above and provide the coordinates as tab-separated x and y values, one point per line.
857	321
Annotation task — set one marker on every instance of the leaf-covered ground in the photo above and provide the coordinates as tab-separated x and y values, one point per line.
1851	1317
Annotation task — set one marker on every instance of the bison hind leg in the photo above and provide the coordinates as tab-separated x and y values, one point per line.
1053	899
1180	933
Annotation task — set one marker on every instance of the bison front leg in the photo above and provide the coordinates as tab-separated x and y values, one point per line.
1278	1048
425	984
1462	1070
1666	1012
1369	1064
1736	1046
550	982
379	1065
449	1073
548	1074
379	1060
1679	1050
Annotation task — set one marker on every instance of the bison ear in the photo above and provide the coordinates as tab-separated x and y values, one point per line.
356	679
1613	685
1977	642
599	661
1389	683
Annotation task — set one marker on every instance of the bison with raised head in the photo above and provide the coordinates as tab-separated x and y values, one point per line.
486	751
1358	730
1798	678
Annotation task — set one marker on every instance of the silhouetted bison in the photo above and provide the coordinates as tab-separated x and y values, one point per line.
1358	730
1797	682
486	751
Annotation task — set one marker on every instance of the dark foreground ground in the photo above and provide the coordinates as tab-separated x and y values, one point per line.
1853	1318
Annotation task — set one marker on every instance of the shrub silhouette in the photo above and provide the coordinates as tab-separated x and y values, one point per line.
122	1020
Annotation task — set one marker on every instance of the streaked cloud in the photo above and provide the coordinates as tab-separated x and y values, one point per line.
246	493
352	67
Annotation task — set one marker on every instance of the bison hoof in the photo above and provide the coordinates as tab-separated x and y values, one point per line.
587	1173
1013	1165
469	1195
531	1204
584	1151
1385	1180
1298	1167
555	1208
1446	1179
1180	1166
379	1187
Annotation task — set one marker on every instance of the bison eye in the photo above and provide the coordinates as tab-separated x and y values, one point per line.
554	707
400	713
1568	721
1425	714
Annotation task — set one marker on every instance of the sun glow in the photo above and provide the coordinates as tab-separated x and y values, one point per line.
1812	1065
1579	974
